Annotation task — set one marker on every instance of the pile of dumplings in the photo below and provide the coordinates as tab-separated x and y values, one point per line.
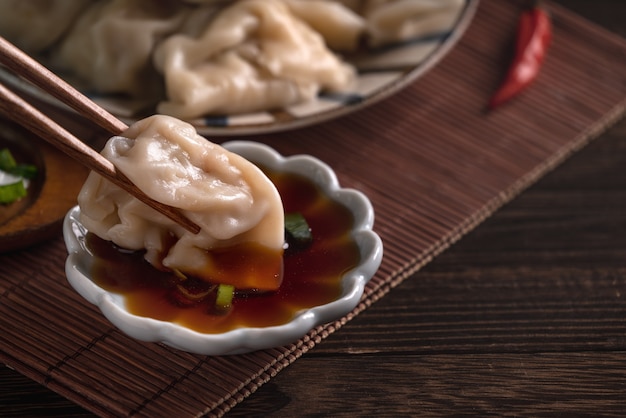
195	58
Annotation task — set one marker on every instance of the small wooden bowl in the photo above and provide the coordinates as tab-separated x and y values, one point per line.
38	216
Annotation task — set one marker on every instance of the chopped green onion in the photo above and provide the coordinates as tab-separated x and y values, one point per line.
15	188
297	229
225	294
11	192
28	171
7	162
9	165
179	274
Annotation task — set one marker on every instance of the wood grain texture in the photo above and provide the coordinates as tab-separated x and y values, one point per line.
524	316
531	385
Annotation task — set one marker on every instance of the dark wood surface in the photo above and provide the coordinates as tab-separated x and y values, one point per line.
524	316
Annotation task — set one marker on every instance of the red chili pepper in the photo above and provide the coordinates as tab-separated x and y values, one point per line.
534	34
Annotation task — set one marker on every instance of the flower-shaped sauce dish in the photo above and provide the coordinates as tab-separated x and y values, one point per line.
322	282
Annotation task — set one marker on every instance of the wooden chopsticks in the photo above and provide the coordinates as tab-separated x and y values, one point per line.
17	109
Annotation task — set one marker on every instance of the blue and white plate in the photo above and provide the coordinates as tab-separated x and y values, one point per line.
381	73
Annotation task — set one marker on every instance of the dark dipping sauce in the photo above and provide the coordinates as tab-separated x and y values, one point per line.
312	276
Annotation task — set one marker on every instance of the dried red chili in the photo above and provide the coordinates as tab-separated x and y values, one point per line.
534	34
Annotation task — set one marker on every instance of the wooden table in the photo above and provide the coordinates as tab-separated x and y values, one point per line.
526	315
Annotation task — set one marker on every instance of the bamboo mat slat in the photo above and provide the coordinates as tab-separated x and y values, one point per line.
434	165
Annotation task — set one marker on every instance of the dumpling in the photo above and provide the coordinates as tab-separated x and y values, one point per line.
254	55
201	2
34	25
340	27
232	200
354	5
390	21
111	45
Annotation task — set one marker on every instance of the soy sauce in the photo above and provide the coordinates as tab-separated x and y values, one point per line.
311	276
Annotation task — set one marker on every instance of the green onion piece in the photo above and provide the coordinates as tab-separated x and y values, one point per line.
9	165
28	171
7	162
11	192
179	274
297	229
225	294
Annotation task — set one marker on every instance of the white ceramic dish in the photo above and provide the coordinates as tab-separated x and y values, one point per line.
381	72
240	340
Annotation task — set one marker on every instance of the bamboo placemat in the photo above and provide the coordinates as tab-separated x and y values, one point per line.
434	166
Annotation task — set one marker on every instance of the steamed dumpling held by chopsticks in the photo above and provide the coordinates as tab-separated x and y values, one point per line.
232	200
